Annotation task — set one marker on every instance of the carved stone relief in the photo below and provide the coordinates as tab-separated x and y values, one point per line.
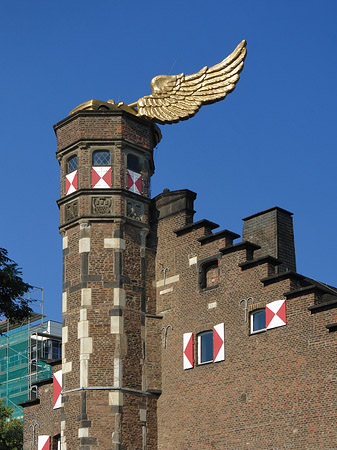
102	206
135	210
71	211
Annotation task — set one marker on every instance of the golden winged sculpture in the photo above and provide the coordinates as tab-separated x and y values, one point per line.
179	97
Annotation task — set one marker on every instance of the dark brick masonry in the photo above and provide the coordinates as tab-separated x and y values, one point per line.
138	274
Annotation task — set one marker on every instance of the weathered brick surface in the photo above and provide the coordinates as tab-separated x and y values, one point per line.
275	390
115	356
41	416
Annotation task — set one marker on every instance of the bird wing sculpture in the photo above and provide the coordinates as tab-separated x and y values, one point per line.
179	97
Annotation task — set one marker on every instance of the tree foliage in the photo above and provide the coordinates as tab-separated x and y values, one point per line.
11	430
12	288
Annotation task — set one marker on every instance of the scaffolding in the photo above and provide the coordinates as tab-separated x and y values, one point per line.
25	349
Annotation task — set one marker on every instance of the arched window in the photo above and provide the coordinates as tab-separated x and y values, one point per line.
133	163
101	158
72	164
209	274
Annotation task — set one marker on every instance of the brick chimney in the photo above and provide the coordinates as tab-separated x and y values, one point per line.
272	229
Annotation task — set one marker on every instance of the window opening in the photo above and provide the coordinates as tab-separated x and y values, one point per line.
101	158
72	164
258	320
133	163
209	275
205	347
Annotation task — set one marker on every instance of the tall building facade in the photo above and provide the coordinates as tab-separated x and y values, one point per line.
175	336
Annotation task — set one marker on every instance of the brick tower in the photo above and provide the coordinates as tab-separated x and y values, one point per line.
106	160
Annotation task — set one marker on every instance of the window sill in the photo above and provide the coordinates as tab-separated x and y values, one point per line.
208	288
258	332
205	363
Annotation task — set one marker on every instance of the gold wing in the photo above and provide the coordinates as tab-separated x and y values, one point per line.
178	97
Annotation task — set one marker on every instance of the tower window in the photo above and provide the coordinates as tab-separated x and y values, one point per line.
72	164
101	158
205	347
258	320
133	163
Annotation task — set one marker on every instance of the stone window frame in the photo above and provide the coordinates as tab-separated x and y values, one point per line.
143	162
71	157
94	150
136	157
100	149
203	265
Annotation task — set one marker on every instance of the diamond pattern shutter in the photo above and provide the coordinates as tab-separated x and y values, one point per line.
57	388
219	342
101	177
188	351
134	182
43	442
71	182
276	314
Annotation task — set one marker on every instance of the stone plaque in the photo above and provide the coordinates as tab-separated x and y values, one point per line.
101	206
135	210
71	211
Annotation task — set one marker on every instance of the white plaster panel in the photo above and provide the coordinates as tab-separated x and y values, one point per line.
167	280
65	242
115	243
116	398
66	367
117	372
212	305
117	325
86	345
83	432
64	302
142	414
84	373
86	296
84	245
166	291
119	297
83	314
64	335
83	329
192	261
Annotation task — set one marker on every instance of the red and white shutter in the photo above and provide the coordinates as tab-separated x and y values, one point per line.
71	182
57	389
219	342
43	442
101	177
134	182
188	351
276	314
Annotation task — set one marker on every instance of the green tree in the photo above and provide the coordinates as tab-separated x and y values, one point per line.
12	288
11	430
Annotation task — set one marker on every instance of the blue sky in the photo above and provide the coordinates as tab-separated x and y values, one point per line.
271	142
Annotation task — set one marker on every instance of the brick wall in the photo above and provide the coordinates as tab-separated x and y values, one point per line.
39	416
275	389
